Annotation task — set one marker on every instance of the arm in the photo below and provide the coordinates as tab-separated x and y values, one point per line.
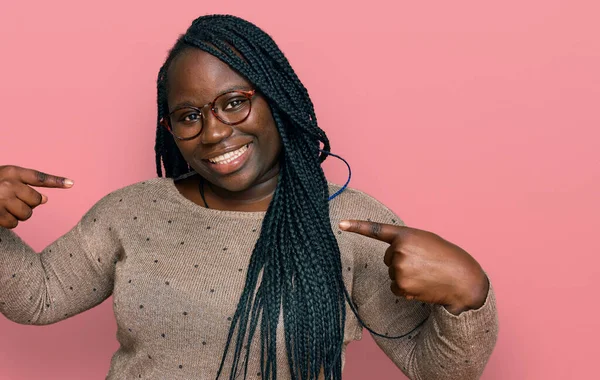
425	271
446	346
73	274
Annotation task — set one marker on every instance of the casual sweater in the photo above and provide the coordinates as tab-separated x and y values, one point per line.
176	271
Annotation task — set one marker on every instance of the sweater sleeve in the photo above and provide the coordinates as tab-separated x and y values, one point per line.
437	344
71	275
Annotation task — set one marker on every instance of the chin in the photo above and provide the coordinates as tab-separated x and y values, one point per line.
233	184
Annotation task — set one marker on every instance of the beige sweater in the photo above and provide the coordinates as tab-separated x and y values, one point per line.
176	271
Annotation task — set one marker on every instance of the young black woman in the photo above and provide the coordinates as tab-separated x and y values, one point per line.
244	261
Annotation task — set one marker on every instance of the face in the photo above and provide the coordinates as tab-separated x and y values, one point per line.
232	157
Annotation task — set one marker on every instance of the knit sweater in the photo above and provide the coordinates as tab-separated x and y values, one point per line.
176	271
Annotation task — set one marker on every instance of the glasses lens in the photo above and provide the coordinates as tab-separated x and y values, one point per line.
186	122
232	107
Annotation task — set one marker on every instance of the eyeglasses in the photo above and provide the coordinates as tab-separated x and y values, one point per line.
231	108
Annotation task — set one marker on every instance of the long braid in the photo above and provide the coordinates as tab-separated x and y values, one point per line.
295	266
167	153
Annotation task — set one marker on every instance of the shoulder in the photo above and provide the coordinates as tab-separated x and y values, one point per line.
135	196
356	204
154	186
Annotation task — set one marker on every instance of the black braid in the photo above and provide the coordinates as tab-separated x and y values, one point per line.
167	153
296	252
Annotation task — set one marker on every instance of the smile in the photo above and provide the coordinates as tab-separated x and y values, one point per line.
230	162
229	157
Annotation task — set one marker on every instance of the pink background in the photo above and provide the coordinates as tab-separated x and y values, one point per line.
476	120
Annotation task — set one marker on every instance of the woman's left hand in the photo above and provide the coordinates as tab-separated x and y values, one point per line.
425	267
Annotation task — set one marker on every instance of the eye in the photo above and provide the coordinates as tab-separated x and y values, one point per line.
191	117
235	104
188	116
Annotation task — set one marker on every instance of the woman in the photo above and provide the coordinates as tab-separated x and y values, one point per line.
244	261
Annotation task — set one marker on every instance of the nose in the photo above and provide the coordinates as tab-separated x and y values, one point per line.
213	130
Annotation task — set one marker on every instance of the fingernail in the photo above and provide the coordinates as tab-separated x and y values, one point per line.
68	182
44	199
344	225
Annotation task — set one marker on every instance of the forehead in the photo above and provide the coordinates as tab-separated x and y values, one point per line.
195	75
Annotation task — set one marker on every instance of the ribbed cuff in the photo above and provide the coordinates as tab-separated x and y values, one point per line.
477	321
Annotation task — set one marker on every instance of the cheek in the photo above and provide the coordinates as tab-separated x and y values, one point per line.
271	141
268	129
186	148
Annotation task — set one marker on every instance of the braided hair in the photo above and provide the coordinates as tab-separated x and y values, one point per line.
295	267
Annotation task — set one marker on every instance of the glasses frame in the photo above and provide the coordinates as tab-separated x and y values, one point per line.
166	121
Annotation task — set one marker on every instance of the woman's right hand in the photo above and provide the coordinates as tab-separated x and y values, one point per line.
18	198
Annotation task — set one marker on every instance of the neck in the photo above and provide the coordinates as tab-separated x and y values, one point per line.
256	198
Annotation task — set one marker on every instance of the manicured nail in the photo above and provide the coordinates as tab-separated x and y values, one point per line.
68	182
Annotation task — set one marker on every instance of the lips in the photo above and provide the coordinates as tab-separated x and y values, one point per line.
229	162
228	157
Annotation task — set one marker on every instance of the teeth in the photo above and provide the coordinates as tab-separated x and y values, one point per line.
228	157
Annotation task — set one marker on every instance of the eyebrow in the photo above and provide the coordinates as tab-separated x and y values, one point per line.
187	103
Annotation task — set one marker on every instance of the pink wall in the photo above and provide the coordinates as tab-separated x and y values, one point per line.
476	121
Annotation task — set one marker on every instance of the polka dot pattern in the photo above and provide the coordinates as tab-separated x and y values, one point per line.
176	277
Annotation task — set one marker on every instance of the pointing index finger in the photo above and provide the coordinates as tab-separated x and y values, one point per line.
380	231
41	179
